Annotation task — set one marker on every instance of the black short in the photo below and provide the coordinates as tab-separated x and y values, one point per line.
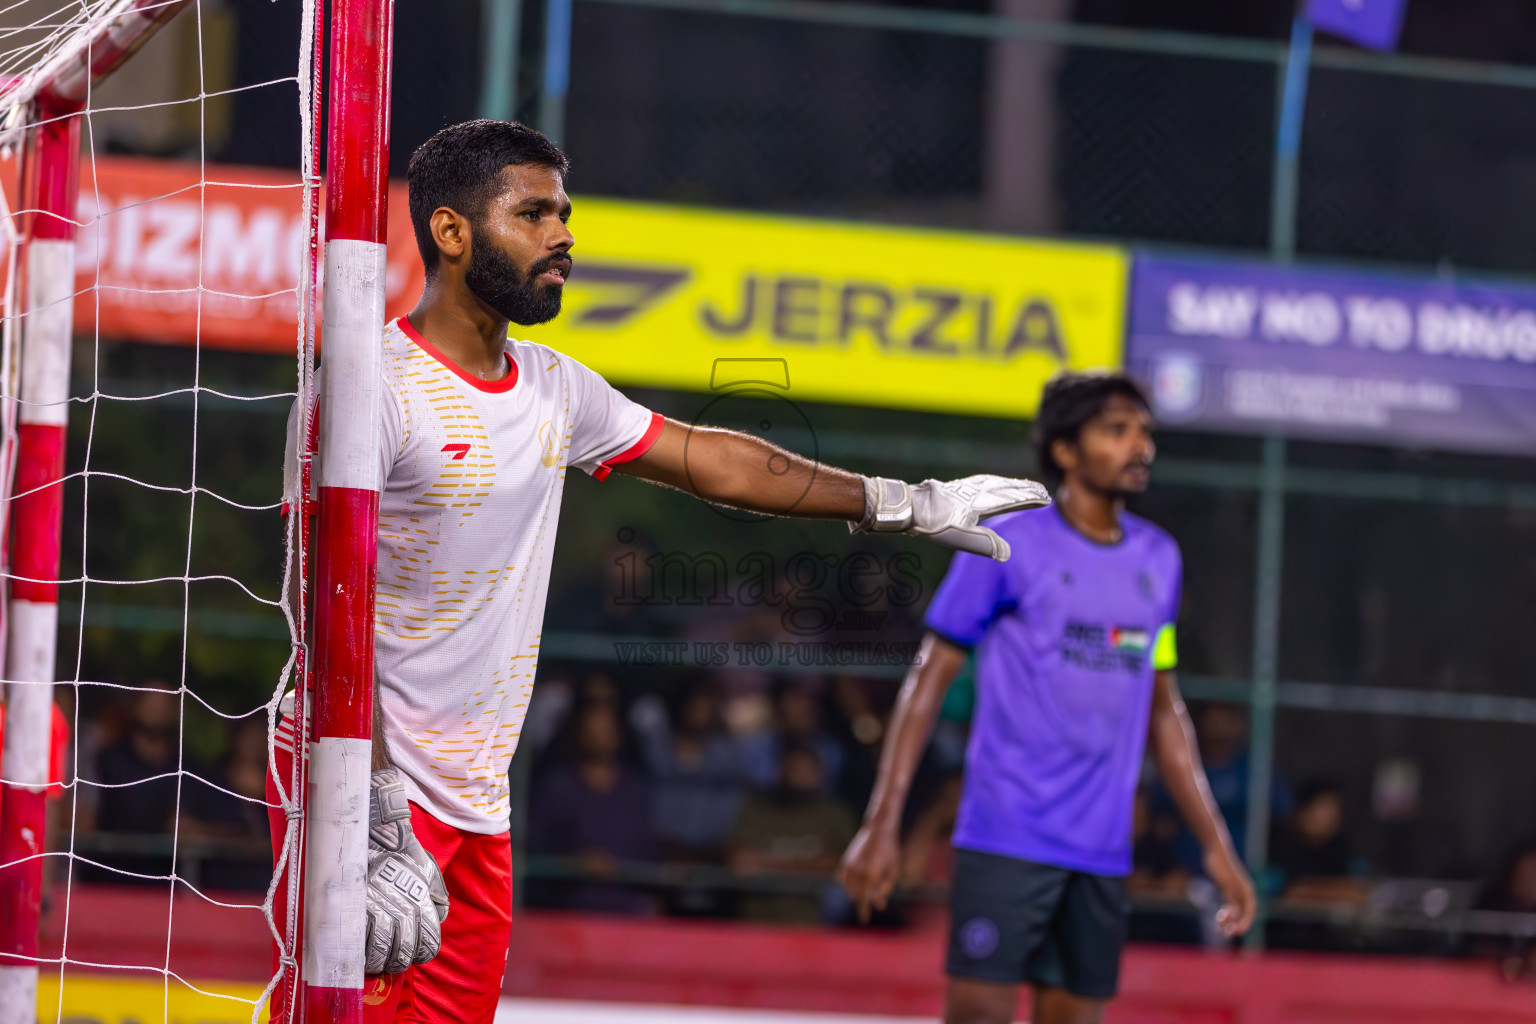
1017	921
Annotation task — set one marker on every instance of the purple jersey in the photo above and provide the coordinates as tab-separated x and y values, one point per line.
1065	633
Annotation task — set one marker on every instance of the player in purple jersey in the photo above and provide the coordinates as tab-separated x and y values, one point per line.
1074	638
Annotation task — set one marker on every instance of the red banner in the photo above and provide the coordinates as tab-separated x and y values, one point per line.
168	254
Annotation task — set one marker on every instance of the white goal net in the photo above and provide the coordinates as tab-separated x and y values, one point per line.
159	323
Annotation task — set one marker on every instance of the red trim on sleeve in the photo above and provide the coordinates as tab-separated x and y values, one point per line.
635	450
493	387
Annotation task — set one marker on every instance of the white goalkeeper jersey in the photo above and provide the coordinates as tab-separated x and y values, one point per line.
473	476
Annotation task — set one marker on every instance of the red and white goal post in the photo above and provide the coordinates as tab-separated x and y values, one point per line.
44	104
357	189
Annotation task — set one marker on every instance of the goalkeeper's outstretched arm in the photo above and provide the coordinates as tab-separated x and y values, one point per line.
731	468
746	472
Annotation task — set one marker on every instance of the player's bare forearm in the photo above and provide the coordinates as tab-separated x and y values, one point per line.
746	472
1172	739
917	708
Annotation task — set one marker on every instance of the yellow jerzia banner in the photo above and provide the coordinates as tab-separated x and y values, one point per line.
859	314
108	999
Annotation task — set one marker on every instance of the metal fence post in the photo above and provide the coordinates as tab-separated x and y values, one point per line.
557	69
502	22
1293	105
1271	540
1266	651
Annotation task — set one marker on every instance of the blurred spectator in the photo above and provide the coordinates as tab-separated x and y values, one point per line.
1158	877
1222	730
1403	844
927	858
210	813
795	828
139	782
1513	891
229	809
797	721
592	806
549	712
142	764
699	772
860	728
1310	850
1311	863
621	601
1155	867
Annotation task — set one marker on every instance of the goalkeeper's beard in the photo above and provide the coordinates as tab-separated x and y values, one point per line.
498	282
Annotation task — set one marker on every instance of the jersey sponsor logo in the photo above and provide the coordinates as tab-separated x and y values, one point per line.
456	451
1099	648
549	450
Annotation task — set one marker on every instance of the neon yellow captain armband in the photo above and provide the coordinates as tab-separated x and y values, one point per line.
1165	650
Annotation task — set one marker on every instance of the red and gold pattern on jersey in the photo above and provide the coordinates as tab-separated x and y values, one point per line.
473	480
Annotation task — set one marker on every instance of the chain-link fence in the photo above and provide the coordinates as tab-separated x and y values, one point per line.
1163	137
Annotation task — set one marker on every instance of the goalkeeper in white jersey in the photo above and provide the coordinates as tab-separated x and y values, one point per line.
476	436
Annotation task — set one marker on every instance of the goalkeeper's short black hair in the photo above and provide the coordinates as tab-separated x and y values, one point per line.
460	168
1071	400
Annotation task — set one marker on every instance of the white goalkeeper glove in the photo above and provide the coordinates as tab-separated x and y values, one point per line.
407	901
948	511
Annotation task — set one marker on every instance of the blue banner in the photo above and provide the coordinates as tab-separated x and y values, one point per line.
1257	348
1374	24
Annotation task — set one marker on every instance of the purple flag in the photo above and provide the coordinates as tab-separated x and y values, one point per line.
1374	24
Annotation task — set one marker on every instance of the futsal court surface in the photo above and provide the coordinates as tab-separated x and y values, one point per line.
548	1011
